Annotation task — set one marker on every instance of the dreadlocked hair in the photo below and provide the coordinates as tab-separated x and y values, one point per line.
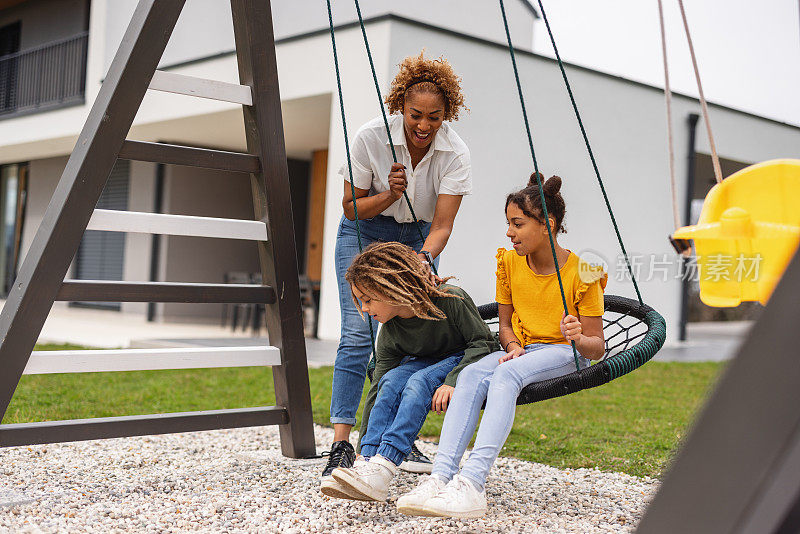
392	272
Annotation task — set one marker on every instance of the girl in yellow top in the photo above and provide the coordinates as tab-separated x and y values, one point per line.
535	335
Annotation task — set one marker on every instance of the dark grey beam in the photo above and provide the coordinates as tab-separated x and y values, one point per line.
739	469
101	141
189	156
84	177
103	291
255	48
138	425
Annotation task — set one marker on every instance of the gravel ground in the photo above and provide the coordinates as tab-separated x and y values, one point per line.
237	481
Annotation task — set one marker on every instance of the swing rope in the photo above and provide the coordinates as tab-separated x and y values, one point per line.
668	103
703	104
588	148
417	224
538	177
347	149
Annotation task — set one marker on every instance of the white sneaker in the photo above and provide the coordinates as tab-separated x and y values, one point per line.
460	498
370	480
411	503
330	487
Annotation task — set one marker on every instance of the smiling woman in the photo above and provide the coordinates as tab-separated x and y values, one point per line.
433	168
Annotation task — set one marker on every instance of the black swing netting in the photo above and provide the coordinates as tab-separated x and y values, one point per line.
633	334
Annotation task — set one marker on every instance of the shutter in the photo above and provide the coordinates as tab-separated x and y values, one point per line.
101	255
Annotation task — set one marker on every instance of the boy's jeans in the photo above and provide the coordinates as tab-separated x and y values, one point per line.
352	356
403	402
499	385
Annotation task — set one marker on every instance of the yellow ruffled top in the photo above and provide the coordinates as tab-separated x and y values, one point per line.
537	298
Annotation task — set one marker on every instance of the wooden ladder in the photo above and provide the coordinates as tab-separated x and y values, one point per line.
71	211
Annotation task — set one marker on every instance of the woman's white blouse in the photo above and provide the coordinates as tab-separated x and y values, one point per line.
444	169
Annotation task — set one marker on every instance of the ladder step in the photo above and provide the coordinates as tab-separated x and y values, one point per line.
106	291
189	156
139	425
185	225
171	82
44	362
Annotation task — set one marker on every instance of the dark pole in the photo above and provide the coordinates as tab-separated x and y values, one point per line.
691	122
155	244
255	48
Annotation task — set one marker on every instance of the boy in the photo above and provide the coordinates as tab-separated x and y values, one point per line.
428	335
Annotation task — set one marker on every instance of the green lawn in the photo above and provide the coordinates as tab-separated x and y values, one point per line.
631	424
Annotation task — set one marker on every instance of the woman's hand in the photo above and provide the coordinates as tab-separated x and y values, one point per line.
434	278
513	350
571	328
397	181
441	398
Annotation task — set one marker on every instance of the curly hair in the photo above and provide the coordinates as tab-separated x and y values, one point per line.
529	201
392	272
433	76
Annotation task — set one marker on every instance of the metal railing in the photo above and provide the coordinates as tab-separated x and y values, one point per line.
48	76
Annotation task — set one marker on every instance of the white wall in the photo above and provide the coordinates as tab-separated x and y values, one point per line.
626	126
361	104
43	177
205	29
42	180
141	197
478	18
211	19
205	193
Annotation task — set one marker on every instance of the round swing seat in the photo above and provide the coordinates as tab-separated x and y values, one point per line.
633	334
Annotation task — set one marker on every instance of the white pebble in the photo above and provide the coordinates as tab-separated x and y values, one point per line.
237	480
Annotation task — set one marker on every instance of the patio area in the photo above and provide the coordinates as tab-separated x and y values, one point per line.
108	329
710	341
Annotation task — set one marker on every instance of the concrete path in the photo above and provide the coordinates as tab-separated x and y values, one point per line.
319	352
714	342
104	329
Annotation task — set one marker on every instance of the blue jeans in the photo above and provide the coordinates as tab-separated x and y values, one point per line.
499	385
350	367
403	402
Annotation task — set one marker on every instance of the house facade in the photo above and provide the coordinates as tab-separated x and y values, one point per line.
53	60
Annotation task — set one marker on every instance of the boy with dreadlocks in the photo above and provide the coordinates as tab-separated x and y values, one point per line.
429	334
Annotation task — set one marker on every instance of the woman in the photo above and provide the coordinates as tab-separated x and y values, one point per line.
434	169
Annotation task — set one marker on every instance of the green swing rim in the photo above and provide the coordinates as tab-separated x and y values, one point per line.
607	369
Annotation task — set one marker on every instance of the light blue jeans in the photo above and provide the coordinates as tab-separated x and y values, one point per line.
350	367
404	399
499	385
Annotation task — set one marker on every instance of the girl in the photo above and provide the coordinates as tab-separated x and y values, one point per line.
434	166
535	336
429	335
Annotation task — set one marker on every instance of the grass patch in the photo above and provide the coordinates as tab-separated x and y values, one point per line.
631	424
58	346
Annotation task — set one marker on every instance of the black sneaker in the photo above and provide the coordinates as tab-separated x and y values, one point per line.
341	454
416	462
